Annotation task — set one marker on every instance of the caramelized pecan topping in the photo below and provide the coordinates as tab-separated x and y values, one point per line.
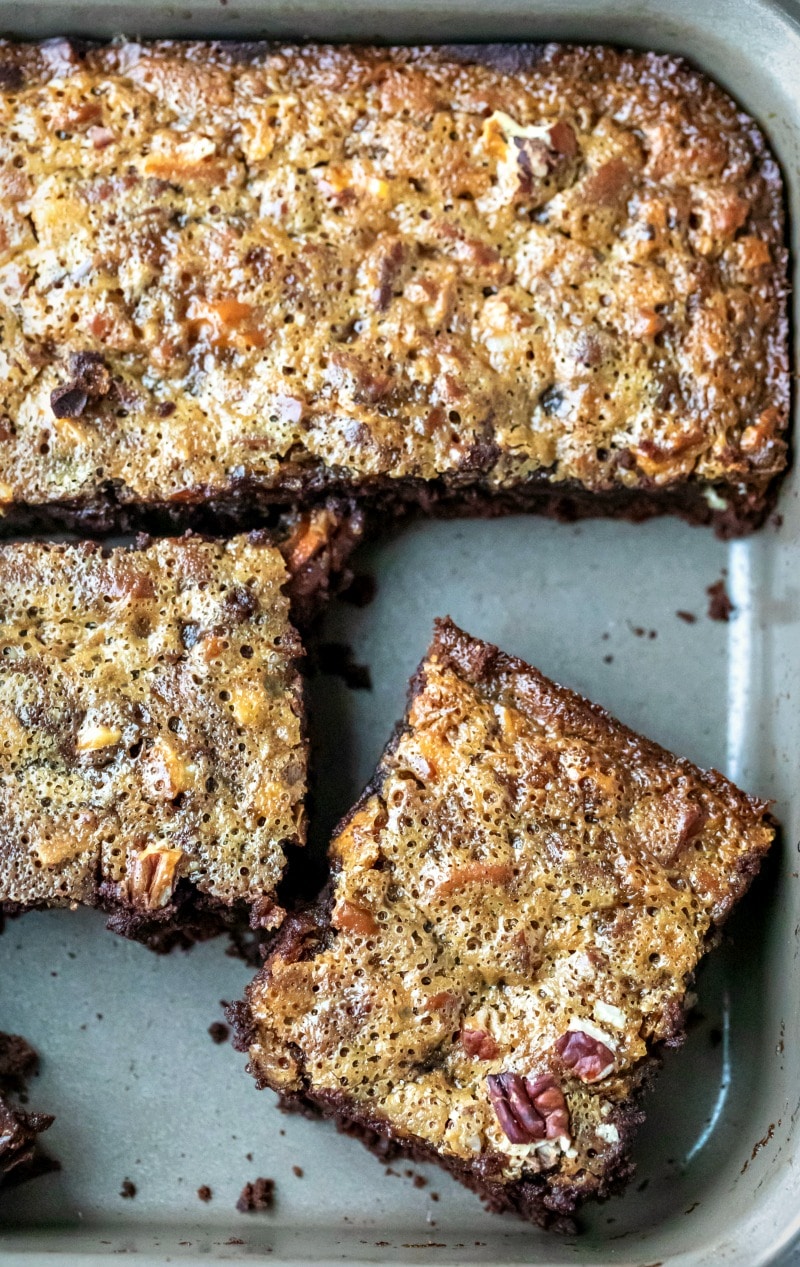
588	1058
528	1109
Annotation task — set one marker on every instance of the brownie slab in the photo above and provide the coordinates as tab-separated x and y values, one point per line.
490	278
517	907
152	749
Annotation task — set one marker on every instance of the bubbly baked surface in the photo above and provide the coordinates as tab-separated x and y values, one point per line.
288	268
150	725
518	904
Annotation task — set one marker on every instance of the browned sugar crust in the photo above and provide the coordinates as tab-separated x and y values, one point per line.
545	276
19	1155
152	757
518	904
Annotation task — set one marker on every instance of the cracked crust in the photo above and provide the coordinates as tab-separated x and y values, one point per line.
500	886
547	277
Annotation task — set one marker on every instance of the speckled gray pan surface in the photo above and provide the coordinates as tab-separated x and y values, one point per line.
140	1090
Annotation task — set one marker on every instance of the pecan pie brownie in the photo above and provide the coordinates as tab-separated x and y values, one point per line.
518	904
152	748
547	277
20	1158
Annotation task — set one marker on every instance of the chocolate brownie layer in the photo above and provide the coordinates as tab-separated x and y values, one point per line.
545	276
518	905
152	757
19	1155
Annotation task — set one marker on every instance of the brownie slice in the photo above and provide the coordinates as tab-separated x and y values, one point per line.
20	1157
518	904
531	276
153	757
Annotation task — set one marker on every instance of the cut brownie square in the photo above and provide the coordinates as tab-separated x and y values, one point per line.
20	1157
152	755
518	904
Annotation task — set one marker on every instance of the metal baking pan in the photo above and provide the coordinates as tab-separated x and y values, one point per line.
140	1090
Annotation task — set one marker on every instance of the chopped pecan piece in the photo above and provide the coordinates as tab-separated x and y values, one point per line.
528	1109
94	735
153	875
475	873
478	1044
536	152
348	917
90	380
587	1057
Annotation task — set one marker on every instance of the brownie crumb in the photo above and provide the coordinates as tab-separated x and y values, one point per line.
219	1032
434	1196
608	659
297	1170
720	606
336	660
361	591
204	1193
128	1190
255	1196
688	617
18	1062
20	1155
420	1181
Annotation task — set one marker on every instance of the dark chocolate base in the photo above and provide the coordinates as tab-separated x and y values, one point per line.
248	504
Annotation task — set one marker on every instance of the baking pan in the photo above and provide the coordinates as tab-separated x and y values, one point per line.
141	1091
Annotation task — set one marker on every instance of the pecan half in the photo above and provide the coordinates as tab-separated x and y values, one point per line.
528	1109
587	1057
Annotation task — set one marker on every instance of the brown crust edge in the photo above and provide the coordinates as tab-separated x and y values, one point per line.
248	503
